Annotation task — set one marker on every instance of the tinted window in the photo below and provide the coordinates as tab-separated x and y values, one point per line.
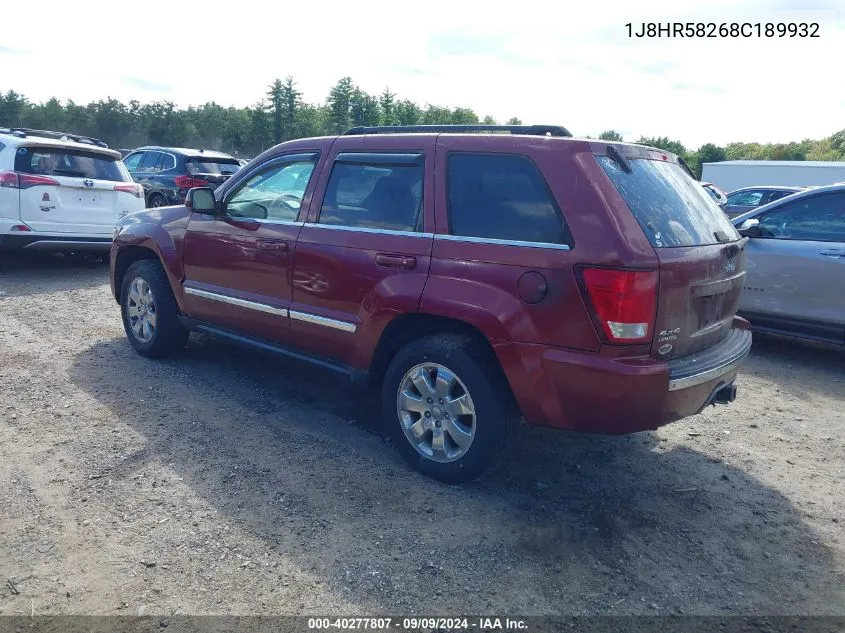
376	196
275	193
672	208
502	197
745	198
133	161
224	166
771	196
819	218
166	162
50	161
150	163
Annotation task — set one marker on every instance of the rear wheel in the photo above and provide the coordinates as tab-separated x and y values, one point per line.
149	311
448	408
156	200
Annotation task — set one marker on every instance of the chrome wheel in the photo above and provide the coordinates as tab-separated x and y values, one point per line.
141	310
436	412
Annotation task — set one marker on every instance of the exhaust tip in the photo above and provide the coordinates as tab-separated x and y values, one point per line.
726	394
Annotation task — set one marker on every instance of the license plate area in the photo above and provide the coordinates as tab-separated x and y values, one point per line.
710	310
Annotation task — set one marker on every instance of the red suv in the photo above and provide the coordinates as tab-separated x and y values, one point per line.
483	276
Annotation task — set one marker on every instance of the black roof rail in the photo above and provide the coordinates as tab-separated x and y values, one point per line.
5	130
536	130
78	138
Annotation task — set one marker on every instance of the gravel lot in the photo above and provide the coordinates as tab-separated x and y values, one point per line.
231	483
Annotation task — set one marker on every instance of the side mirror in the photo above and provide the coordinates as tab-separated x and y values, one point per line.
750	228
201	200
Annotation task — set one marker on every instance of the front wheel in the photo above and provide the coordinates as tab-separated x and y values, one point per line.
448	408
149	311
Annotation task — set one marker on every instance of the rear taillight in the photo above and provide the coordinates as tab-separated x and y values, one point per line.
187	182
20	228
133	188
17	180
623	301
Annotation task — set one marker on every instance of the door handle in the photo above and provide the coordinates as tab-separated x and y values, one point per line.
832	252
396	261
273	245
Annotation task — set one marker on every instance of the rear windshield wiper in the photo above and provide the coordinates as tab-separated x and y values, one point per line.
617	158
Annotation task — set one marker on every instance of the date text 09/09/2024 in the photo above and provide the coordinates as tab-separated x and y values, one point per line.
725	29
416	624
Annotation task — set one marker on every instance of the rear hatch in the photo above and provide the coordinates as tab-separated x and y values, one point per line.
701	256
70	190
213	171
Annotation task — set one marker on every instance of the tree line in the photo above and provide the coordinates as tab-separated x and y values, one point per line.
281	114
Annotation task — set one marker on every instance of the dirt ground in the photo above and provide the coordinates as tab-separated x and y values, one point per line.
226	482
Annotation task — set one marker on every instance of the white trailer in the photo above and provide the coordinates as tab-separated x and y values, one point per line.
731	175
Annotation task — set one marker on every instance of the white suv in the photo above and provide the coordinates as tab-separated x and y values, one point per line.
61	192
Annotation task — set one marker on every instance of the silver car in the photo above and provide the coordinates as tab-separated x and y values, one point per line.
748	198
795	270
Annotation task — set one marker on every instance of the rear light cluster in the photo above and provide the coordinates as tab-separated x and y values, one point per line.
18	180
133	188
187	182
623	302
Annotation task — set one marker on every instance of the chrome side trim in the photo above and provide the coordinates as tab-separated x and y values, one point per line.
344	326
282	222
361	229
489	240
243	303
706	376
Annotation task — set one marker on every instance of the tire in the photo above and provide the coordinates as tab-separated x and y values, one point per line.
166	336
156	200
493	426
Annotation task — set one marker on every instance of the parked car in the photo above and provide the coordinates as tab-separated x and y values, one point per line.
480	278
748	198
167	173
719	196
796	265
61	191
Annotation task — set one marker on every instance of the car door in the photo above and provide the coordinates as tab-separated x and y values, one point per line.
238	263
363	256
796	267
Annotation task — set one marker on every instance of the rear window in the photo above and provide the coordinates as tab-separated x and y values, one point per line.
224	166
69	162
672	208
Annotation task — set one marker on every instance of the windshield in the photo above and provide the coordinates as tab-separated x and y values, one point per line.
223	166
672	208
48	161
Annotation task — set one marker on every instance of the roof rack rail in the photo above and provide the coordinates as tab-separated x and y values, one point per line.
536	130
23	132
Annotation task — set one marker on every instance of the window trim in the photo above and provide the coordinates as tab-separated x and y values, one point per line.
789	204
563	246
387	158
260	169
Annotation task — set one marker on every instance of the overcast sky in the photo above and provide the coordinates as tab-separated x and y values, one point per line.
565	63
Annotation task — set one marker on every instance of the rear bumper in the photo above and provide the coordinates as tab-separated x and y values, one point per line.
54	243
590	393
